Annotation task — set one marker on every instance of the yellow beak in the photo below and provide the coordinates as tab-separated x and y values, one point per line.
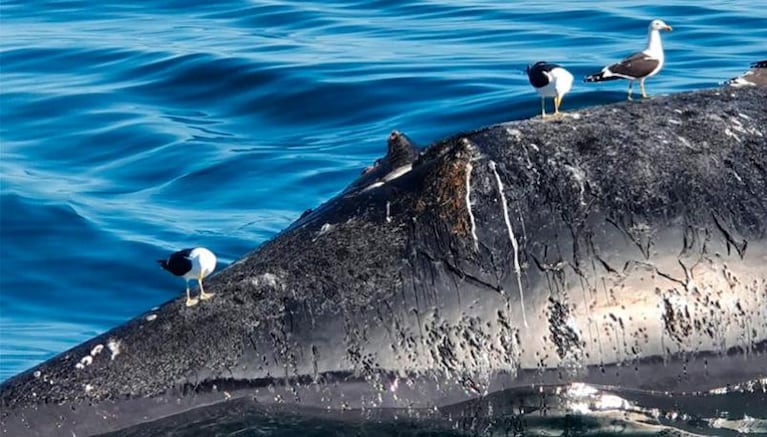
667	28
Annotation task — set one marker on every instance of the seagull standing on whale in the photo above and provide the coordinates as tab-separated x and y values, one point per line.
638	66
550	80
756	76
194	263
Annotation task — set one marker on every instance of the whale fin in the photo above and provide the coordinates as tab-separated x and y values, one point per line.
401	150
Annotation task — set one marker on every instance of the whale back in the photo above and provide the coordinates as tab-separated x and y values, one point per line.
624	245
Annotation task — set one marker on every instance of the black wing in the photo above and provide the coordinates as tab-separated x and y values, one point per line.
635	66
535	73
178	263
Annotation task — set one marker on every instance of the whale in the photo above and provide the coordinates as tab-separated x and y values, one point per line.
622	245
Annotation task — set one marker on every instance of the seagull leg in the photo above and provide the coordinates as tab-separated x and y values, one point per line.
203	294
557	102
189	301
641	87
543	107
631	86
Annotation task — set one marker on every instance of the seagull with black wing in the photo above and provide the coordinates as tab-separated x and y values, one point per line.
638	66
550	80
194	263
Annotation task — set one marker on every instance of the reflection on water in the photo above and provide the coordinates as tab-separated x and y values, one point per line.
575	409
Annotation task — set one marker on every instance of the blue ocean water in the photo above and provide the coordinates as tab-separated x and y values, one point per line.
129	130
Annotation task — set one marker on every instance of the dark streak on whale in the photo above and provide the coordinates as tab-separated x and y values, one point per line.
634	250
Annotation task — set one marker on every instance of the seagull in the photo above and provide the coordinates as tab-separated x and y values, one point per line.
550	80
638	66
756	76
195	263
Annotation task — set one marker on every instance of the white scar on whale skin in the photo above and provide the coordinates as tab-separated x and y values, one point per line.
513	239
469	167
394	174
397	172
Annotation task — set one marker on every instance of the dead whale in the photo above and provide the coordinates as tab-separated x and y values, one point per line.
620	246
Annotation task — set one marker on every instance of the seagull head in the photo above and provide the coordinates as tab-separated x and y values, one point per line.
659	25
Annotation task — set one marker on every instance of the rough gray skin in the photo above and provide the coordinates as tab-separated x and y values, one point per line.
635	250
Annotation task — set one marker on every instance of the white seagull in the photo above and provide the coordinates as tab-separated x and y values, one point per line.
196	263
550	80
638	66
